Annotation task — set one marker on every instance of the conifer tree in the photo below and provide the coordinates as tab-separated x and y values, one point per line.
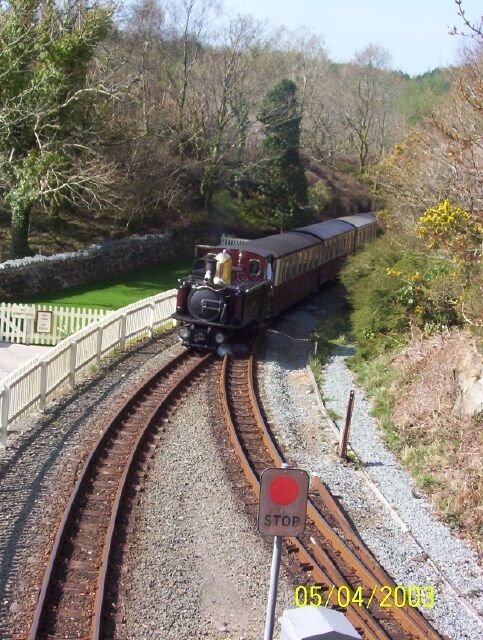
283	193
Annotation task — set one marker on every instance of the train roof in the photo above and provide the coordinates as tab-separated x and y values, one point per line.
360	219
278	245
328	229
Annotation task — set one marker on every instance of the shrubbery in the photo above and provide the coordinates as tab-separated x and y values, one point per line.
394	292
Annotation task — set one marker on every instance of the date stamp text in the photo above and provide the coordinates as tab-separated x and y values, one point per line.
385	596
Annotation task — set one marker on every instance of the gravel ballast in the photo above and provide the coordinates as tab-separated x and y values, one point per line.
197	568
394	519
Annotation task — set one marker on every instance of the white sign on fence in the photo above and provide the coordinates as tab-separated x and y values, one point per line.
23	312
43	322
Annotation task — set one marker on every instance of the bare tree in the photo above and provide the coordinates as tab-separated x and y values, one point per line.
368	99
225	95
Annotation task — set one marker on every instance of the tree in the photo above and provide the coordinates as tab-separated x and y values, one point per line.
226	99
368	103
283	194
49	110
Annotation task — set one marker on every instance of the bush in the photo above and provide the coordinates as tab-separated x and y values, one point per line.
225	207
392	292
320	195
378	313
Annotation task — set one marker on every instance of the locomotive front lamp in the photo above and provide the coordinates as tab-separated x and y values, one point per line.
184	333
219	337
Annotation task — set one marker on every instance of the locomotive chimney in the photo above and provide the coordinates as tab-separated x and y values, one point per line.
210	267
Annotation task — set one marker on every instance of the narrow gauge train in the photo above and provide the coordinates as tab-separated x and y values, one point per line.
232	290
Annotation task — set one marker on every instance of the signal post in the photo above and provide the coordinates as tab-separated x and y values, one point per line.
281	512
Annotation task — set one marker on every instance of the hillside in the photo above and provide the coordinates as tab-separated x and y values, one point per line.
437	409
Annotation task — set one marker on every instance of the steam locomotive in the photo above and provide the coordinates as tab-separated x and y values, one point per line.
232	290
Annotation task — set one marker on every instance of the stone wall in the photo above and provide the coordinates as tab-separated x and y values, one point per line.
41	274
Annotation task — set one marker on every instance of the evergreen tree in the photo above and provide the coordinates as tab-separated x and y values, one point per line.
283	193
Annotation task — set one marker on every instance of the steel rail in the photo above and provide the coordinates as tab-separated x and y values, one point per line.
363	565
194	363
362	620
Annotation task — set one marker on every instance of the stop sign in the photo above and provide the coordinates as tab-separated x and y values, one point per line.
283	502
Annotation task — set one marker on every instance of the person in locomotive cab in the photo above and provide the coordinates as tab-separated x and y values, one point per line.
269	278
269	270
210	267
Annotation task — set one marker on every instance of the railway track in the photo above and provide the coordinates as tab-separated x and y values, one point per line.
77	598
329	551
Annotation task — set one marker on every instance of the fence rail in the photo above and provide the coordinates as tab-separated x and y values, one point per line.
19	322
230	241
34	384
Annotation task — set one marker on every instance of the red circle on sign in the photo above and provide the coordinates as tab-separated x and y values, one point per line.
284	491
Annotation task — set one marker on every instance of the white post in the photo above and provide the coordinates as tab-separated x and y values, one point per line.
43	384
99	345
28	329
73	362
122	341
151	322
4	415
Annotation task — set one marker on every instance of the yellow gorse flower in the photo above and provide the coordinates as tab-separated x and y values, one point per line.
445	219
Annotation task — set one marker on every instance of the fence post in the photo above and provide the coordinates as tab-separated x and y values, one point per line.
122	340
99	345
43	384
73	363
4	415
344	434
151	323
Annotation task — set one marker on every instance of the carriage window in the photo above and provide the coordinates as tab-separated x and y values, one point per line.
254	267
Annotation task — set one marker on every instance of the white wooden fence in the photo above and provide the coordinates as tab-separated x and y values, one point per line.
33	385
230	241
18	322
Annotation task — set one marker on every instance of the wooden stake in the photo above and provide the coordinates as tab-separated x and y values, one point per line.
344	434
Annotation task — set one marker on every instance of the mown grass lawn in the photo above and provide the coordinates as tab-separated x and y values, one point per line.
114	293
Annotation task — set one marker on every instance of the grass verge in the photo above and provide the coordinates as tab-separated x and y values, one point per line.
114	293
333	331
